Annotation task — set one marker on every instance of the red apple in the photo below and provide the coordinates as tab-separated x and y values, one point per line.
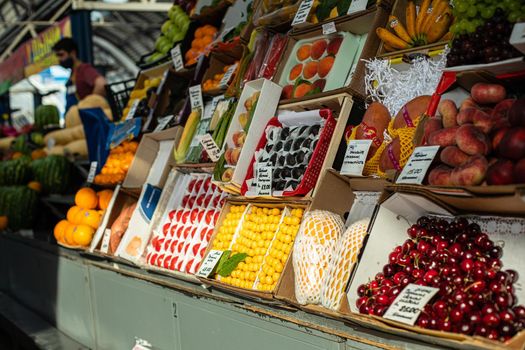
519	172
516	113
500	173
512	145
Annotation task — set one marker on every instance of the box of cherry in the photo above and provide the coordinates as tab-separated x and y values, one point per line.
182	236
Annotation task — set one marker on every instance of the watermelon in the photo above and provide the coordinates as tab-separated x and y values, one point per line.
15	171
46	115
20	144
53	172
18	203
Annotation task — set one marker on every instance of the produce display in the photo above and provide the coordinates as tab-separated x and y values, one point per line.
188	134
53	172
182	237
215	83
200	45
116	167
476	296
142	96
18	205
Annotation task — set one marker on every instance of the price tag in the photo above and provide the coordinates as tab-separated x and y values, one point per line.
163	122
214	102
176	56
355	157
196	97
409	303
209	263
417	166
133	109
356	6
104	247
92	172
264	179
210	147
302	13
227	76
329	28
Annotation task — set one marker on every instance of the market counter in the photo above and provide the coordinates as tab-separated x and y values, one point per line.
108	305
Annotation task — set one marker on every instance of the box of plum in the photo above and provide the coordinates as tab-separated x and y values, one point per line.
443	270
292	151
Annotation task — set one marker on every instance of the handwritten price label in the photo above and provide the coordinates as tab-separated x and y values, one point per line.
356	6
409	303
302	13
264	179
209	263
329	28
417	166
176	56
104	247
209	145
196	97
227	76
355	157
92	172
162	123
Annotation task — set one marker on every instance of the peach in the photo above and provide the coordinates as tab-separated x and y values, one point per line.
444	137
468	103
466	115
471	173
302	89
287	92
472	141
325	65
440	176
488	93
235	155
449	112
411	111
390	157
453	156
431	125
501	173
483	121
501	115
228	156
498	136
318	48
334	45
310	69
238	138
295	72
304	52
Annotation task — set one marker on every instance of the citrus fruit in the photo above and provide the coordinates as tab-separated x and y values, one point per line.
86	198
82	235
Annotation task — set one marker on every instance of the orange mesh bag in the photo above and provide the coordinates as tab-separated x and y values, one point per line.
342	263
313	249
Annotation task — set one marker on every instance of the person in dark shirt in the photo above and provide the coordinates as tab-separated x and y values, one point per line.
85	79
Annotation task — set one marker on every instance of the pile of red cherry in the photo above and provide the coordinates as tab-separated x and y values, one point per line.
476	297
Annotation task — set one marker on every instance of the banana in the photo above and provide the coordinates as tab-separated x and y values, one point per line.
187	135
398	27
447	37
410	15
391	39
439	28
423	9
437	11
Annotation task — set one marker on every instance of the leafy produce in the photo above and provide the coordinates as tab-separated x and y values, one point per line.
53	172
201	44
15	171
116	167
18	204
46	115
476	296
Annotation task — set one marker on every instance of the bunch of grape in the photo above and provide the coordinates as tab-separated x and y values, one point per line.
470	14
486	44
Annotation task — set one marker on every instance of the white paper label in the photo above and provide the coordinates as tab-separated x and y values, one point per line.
159	88
329	28
214	102
92	172
176	56
227	76
163	122
302	13
356	6
264	179
355	157
133	109
209	263
210	147
417	166
196	97
104	246
409	303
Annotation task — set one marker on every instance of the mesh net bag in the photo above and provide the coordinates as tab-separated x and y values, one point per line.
312	252
341	264
406	136
372	165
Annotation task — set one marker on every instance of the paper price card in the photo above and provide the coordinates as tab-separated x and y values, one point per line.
329	28
209	263
196	97
264	179
104	247
302	13
163	122
355	157
209	145
176	56
227	76
417	166
356	6
409	303
133	109
92	172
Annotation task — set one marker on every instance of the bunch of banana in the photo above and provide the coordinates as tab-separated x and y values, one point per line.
187	135
427	26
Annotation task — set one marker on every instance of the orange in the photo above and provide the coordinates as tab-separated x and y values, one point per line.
91	218
82	235
38	153
72	213
3	222
35	186
60	229
86	198
104	197
68	234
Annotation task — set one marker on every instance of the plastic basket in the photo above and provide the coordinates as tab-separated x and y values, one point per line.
313	169
117	95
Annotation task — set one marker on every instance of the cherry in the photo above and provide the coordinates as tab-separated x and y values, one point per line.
480	239
492	334
429	275
380	310
398	277
420	282
417	273
455	249
361	301
444	325
374	284
487	245
507	316
408	269
507	329
423	246
474	229
389	270
465	328
423	220
423	321
403	260
504	300
513	274
478	273
519	311
364	309
496	286
461	223
383	299
474	318
462	237
405	281
398	249
384	289
502	277
392	257
491	274
496	252
456	315
440	308
477	287
482	330
387	282
488	309
361	290
408	245
460	296
442	246
394	292
467	265
465	307
495	264
379	276
414	254
491	320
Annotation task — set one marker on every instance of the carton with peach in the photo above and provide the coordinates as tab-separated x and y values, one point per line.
191	205
482	141
246	127
318	64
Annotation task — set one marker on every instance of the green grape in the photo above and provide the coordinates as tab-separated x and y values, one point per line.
461	7
472	12
514	6
513	17
454	28
488	12
470	27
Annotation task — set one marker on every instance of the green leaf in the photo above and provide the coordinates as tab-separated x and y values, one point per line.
224	257
231	264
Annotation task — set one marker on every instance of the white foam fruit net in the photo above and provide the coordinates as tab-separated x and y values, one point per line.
342	263
313	249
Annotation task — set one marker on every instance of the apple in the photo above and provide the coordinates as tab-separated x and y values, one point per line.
519	172
512	145
500	173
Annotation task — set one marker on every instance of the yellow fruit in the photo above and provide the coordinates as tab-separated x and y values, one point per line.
86	198
104	197
68	234
83	234
91	218
60	229
72	213
35	186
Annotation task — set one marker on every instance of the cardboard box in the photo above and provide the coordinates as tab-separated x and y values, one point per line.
270	94
218	61
398	210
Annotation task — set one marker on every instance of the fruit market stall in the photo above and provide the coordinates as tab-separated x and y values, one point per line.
332	175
